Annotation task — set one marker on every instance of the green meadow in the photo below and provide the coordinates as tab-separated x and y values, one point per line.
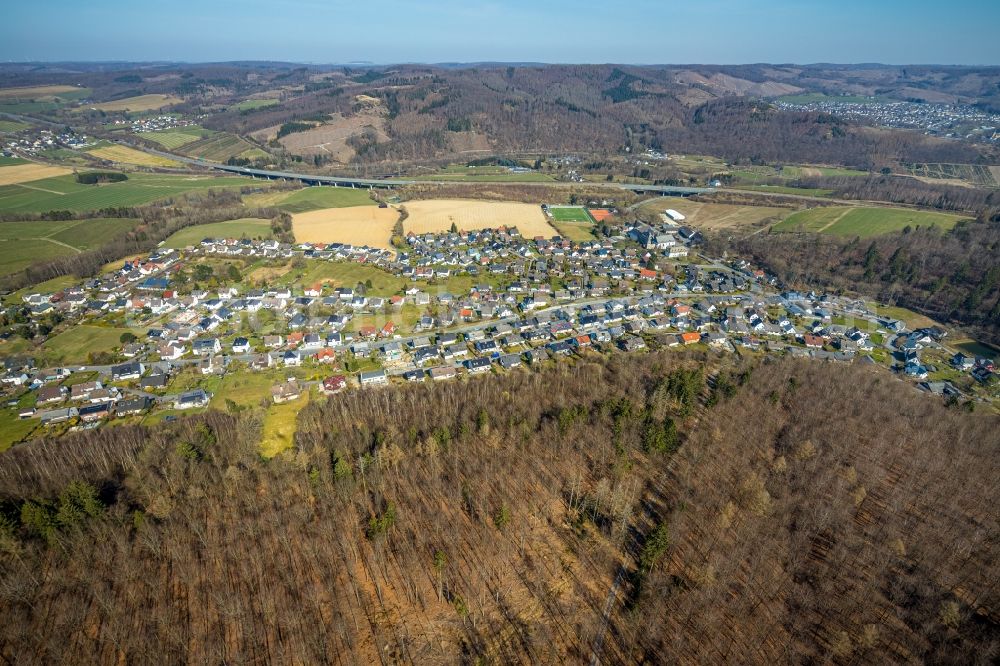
64	193
864	222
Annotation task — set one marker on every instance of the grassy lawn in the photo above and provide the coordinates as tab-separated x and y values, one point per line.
315	198
345	274
64	193
575	231
909	317
279	426
15	256
248	227
72	345
47	287
864	222
14	429
569	214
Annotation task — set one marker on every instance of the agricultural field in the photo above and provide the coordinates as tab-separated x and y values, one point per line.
138	103
175	138
315	198
31	92
220	146
782	189
250	104
243	228
126	155
11	161
864	222
972	174
25	243
12	126
27	172
819	171
713	216
74	344
569	214
64	193
438	215
357	225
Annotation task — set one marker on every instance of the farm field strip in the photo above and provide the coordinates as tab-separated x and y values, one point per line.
29	172
138	103
126	155
438	215
30	92
716	216
357	225
175	138
25	243
316	198
138	190
864	222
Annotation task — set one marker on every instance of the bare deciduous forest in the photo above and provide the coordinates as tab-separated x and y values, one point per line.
665	508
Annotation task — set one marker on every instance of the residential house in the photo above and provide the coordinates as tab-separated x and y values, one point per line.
127	371
284	392
192	399
334	384
373	377
51	394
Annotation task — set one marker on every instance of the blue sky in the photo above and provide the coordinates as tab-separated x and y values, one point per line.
392	31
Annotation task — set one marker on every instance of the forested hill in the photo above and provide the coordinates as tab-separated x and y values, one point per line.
656	509
419	112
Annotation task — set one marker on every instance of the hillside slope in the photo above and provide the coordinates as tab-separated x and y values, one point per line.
657	509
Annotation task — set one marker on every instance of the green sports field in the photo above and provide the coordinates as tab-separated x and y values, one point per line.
64	193
864	222
569	214
245	227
